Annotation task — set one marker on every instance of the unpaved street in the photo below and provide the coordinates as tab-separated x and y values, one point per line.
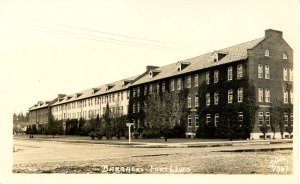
33	156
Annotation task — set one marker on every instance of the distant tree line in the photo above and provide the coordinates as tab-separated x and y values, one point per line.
20	117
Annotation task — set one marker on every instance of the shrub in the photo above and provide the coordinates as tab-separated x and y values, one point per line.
289	129
92	135
136	134
264	129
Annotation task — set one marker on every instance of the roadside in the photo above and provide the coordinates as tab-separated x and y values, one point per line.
156	143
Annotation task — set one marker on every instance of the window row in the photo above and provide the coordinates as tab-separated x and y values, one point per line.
267	54
91	102
119	110
265	118
229	97
229	74
217	117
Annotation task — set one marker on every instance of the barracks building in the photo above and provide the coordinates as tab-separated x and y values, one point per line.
214	82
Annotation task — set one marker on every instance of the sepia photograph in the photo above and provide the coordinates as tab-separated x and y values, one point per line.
166	89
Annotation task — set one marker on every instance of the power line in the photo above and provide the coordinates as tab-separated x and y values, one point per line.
102	32
113	41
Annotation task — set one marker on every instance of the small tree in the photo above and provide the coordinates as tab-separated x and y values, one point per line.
264	129
289	129
54	127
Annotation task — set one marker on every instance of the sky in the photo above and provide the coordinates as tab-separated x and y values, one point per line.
55	47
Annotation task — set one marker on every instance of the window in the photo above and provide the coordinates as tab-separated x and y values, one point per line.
285	97
260	71
172	85
267	53
216	76
240	95
189	101
134	92
150	88
178	84
267	72
285	74
260	95
267	118
138	91
292	119
163	88
145	90
196	100
133	108
286	119
208	118
196	120
260	118
284	56
291	74
267	95
207	99
207	79
138	107
292	96
240	118
157	88
189	120
189	82
229	73
196	80
216	119
230	96
239	71
216	98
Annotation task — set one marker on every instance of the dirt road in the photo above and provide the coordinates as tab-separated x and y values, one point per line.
60	157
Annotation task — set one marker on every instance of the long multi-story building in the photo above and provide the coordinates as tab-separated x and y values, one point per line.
39	113
92	102
216	81
220	87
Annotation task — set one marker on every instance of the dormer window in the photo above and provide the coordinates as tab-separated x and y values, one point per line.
109	86
267	53
284	56
78	95
218	55
215	57
125	82
182	65
95	90
153	73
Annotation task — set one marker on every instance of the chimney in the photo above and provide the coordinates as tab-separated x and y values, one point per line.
273	33
149	67
61	95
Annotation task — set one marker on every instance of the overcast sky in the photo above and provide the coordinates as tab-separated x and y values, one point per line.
65	46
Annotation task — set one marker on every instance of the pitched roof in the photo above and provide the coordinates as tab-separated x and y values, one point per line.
100	90
41	104
234	53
